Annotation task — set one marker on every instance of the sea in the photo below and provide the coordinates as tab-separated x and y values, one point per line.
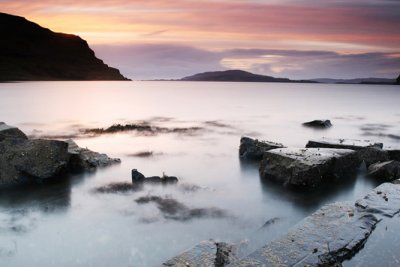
73	223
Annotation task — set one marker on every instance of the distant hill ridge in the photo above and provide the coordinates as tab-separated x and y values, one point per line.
238	76
31	52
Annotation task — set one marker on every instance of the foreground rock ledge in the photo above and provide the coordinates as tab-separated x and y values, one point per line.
308	167
326	238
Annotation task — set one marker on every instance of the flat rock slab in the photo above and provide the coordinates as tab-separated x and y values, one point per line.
206	253
383	200
7	131
343	143
308	167
24	161
253	149
330	235
345	227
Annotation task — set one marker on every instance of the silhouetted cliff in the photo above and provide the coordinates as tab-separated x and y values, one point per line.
31	52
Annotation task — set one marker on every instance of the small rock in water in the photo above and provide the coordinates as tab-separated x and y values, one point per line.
138	177
318	124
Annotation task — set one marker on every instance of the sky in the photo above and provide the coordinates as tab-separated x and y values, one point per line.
298	39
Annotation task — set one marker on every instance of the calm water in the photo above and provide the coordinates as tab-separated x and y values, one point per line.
68	224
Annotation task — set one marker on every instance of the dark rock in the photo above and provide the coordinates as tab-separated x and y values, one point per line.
206	253
165	179
137	176
254	149
116	188
386	171
372	155
394	154
24	161
318	124
343	143
31	52
85	159
308	167
398	80
7	131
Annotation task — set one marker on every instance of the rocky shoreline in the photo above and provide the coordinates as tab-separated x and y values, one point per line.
332	234
25	161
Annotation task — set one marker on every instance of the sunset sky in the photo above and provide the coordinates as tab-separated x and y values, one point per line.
286	38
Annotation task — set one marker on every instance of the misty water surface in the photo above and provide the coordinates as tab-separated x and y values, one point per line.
71	224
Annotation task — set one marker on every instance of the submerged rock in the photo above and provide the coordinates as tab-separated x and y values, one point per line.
254	149
7	131
309	167
174	210
343	143
85	159
139	178
386	171
318	124
24	161
206	253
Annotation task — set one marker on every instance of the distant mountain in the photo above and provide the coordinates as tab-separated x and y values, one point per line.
30	52
357	81
238	76
398	80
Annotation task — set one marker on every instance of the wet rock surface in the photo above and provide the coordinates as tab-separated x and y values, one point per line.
139	178
309	167
253	149
331	235
385	171
343	143
7	131
174	210
318	124
85	159
25	161
206	253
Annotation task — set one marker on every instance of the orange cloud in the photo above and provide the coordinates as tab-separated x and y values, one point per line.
222	24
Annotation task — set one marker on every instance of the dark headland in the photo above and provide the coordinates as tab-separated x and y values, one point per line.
238	76
29	52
